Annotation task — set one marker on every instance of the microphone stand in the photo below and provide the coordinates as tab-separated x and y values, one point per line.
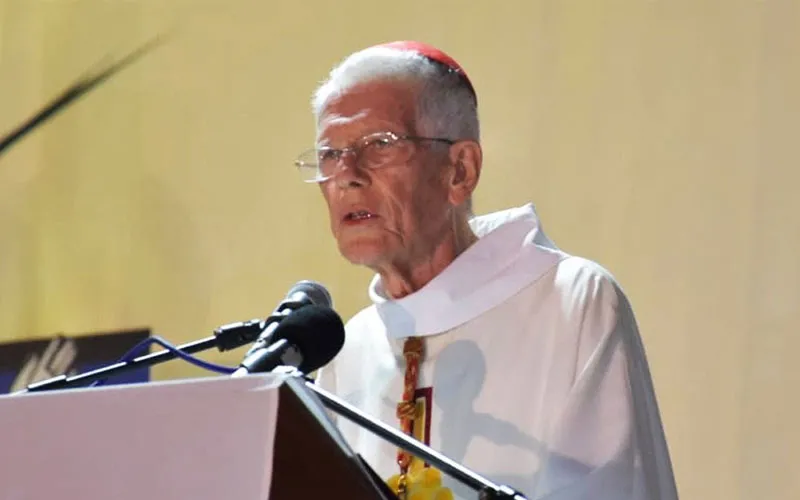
487	490
225	338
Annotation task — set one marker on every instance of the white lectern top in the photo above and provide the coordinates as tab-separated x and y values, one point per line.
200	439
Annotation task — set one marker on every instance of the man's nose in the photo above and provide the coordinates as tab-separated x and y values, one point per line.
349	173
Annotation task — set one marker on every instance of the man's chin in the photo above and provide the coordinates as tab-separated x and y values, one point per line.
364	254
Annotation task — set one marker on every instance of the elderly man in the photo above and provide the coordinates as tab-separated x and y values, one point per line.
484	340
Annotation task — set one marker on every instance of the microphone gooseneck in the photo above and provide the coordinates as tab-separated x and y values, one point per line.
225	338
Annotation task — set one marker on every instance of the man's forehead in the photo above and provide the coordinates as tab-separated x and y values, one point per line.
362	110
374	95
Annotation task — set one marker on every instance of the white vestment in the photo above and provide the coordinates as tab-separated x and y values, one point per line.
534	375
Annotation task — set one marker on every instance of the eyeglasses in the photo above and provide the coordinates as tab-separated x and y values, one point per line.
370	152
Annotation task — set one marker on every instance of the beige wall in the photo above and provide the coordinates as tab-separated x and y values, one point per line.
657	137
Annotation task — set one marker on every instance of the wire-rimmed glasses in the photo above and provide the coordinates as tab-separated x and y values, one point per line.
370	152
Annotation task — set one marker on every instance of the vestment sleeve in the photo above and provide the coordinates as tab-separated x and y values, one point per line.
607	440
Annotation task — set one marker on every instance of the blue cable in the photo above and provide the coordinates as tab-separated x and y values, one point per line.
130	355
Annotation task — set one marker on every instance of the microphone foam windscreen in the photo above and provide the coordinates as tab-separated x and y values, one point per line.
316	331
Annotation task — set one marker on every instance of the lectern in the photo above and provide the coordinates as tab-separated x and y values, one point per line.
257	437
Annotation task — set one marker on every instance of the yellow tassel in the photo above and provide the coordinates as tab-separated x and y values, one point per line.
422	484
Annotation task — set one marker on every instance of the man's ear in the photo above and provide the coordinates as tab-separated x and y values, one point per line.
466	159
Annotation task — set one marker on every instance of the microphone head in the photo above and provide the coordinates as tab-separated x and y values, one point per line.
316	292
317	332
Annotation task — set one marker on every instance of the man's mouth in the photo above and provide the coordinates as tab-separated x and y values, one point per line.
359	215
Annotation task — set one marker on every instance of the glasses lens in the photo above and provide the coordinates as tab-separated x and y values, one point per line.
382	149
308	165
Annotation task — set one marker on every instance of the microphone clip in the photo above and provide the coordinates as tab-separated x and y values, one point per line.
235	335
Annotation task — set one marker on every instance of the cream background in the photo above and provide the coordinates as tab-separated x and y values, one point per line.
656	137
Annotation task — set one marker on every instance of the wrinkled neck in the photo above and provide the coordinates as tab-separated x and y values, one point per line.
399	279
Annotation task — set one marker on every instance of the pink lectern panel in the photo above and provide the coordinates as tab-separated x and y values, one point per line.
198	439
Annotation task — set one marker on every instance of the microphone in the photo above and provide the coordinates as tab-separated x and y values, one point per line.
307	339
302	294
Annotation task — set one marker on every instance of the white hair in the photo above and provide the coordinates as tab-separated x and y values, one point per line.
446	107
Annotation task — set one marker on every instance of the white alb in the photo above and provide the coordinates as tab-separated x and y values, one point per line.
535	373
